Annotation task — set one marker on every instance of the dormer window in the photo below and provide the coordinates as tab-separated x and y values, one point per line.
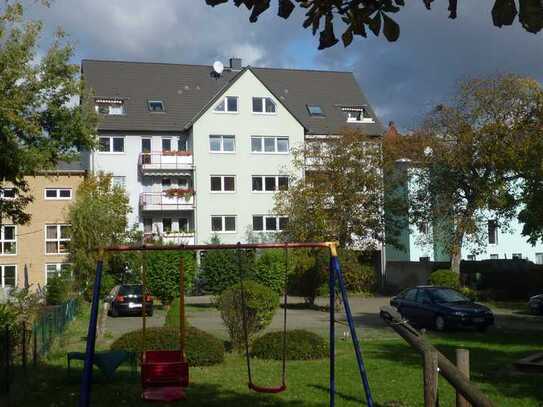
110	107
156	106
357	114
228	105
315	111
263	105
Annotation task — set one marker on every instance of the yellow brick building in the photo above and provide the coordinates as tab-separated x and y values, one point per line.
31	252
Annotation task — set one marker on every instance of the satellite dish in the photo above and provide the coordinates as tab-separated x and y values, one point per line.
218	67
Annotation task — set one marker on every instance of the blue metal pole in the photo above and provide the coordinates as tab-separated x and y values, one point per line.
361	367
332	290
86	380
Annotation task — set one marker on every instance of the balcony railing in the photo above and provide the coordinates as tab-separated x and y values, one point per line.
160	201
165	161
171	238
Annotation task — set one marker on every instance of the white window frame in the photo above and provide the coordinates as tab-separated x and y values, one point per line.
111	145
517	256
3	240
179	229
225	101
115	181
2	275
223	191
57	197
495	232
9	198
57	240
223	224
263	178
58	267
360	111
264	227
170	139
111	104
221	151
494	256
156	101
263	101
262	145
162	225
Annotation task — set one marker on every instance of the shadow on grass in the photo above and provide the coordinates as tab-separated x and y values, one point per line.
51	385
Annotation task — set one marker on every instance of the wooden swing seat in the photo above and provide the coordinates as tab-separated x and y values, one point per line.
164	375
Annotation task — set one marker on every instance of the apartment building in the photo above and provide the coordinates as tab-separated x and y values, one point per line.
31	253
202	152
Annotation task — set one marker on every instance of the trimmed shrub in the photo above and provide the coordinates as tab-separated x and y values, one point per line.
359	277
57	290
445	278
270	269
309	275
202	349
163	273
260	305
301	345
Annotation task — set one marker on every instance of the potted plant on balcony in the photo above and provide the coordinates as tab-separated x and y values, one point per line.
176	153
180	193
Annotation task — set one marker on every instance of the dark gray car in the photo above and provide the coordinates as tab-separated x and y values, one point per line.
127	299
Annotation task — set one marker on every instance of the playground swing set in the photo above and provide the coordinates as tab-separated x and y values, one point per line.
165	373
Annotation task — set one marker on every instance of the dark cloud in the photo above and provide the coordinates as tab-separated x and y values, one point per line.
403	80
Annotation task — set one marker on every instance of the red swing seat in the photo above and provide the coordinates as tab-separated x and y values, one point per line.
269	390
164	375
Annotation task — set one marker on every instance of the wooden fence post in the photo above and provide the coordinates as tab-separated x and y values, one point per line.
430	378
462	362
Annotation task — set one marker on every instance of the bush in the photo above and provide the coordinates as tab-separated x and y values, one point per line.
163	273
470	293
260	305
202	349
219	269
270	269
301	345
310	273
445	278
359	277
57	290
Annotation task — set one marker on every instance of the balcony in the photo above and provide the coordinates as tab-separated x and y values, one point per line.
179	200
178	238
165	162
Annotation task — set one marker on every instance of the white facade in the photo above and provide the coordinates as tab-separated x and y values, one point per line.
147	172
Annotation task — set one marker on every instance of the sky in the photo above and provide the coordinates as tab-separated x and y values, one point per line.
402	80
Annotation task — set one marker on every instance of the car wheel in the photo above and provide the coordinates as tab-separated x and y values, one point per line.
439	323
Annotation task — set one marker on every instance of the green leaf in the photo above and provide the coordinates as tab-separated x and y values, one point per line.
375	24
504	12
347	37
391	29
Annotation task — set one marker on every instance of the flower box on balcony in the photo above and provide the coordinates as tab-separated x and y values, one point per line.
177	153
179	193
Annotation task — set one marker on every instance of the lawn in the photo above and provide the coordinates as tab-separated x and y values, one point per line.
393	368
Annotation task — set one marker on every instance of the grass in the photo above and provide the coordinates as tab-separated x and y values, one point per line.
394	371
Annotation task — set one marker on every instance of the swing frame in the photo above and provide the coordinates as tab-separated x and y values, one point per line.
335	279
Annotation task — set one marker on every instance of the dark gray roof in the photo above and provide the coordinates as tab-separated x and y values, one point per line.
187	89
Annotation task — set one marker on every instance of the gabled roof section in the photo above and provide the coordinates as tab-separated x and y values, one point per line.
189	90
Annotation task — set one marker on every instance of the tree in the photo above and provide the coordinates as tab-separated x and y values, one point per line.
341	195
466	167
98	218
38	125
360	16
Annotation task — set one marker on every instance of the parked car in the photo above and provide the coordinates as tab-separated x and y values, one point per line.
441	308
127	299
536	304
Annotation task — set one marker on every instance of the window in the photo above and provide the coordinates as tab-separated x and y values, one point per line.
223	183
271	223
166	183
423	228
166	144
494	257
357	115
539	258
111	145
424	259
57	270
492	232
315	111
353	116
269	183
471	257
9	275
118	182
58	193
183	144
228	105
184	225
7	194
260	144
156	106
147	225
423	297
57	239
517	256
222	144
411	294
223	223
166	225
8	240
263	105
110	107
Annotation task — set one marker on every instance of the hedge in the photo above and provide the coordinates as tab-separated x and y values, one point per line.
445	278
359	277
202	349
301	345
163	273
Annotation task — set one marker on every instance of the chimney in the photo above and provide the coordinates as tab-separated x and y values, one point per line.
235	64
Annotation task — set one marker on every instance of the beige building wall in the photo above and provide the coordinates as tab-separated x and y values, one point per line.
31	238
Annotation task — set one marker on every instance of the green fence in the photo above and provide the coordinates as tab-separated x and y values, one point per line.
27	343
